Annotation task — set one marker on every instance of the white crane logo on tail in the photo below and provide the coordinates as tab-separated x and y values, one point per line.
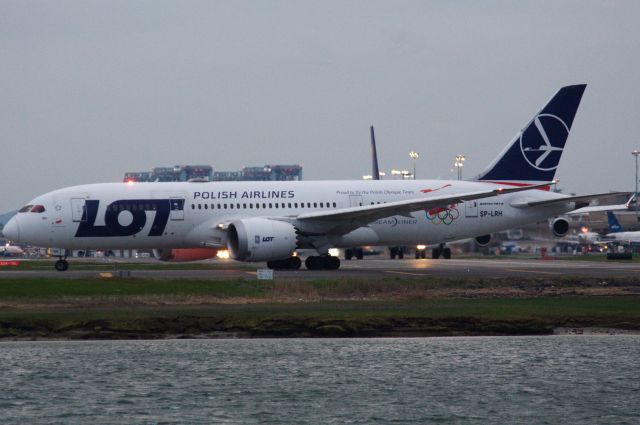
542	143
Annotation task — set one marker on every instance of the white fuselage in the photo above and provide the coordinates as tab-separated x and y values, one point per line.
625	237
183	215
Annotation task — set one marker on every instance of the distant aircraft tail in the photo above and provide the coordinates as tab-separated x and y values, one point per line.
534	154
614	224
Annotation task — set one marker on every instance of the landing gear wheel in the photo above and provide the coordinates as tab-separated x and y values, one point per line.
359	254
291	263
446	253
324	262
400	254
332	263
61	265
295	263
435	253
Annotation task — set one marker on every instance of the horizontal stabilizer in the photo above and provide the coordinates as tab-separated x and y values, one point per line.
581	201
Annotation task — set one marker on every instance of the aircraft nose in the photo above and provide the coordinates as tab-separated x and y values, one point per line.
11	230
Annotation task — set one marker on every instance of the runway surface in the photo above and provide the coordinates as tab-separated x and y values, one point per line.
461	268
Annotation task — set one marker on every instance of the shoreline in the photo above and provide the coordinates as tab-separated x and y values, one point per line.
201	326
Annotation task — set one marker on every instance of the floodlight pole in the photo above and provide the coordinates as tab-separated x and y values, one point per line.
636	153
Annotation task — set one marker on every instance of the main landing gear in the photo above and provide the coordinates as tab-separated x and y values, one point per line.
322	262
61	265
441	250
291	263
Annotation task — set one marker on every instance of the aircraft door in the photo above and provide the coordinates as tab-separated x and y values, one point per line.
177	209
355	200
471	208
78	210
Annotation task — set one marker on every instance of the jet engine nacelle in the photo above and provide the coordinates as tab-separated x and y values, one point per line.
559	226
483	240
260	239
184	254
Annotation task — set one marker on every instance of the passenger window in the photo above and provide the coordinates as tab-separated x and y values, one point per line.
250	206
193	207
308	204
213	206
237	206
206	206
218	206
244	206
296	204
264	205
334	205
289	205
270	206
258	206
321	205
199	206
315	205
225	206
230	206
301	204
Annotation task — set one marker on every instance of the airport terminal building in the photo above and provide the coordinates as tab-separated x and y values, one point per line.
182	173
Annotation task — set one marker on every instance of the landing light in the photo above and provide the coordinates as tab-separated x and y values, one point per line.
130	182
421	247
584	229
334	252
223	254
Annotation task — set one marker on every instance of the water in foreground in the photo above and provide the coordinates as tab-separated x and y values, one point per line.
559	379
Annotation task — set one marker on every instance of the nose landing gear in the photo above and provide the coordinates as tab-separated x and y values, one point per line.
61	265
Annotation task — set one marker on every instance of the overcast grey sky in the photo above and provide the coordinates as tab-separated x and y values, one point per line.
92	89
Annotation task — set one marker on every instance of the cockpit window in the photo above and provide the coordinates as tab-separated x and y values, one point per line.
37	209
25	209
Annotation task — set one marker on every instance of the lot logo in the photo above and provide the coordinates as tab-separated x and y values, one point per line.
542	143
127	217
445	216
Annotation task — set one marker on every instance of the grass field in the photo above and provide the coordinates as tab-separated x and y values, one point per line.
146	308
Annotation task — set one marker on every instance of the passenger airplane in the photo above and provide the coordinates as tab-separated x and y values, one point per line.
268	221
11	251
617	233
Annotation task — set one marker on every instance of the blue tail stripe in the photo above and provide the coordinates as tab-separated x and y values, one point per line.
535	152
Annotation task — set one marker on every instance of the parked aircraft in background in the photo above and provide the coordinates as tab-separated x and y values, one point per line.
11	251
617	233
268	221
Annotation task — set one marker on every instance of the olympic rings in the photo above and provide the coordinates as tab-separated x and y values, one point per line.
445	216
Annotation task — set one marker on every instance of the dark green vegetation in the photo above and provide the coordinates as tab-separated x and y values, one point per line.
147	308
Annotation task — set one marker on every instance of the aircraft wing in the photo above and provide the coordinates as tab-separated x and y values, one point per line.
353	217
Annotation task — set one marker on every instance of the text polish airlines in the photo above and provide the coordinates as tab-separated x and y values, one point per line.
268	221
